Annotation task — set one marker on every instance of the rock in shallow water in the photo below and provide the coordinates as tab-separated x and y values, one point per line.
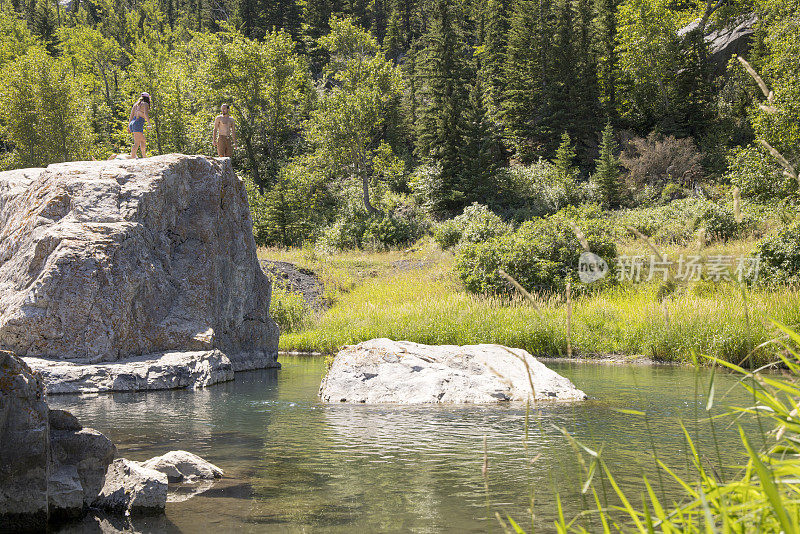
181	466
153	371
102	261
386	371
131	488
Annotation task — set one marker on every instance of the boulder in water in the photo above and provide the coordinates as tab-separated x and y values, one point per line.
386	371
102	261
131	488
182	466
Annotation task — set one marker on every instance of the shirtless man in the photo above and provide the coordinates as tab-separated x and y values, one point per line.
224	136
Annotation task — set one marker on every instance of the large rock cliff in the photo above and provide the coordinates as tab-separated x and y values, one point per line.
103	261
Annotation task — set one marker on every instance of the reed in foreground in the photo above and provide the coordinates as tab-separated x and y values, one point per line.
761	497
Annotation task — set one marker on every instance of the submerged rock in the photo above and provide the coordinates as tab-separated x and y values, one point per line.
153	371
51	468
182	466
386	371
131	488
108	260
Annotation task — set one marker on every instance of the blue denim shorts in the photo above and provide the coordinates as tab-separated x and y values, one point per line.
137	125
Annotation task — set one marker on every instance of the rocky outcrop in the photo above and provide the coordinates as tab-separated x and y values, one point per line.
104	261
50	466
131	488
386	371
182	466
726	42
170	370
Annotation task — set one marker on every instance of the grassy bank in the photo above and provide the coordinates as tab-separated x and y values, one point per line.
413	296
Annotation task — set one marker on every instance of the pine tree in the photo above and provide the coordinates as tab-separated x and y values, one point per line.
480	150
493	56
528	75
441	79
561	91
605	37
565	158
607	173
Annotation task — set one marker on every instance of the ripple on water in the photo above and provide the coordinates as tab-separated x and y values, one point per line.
293	464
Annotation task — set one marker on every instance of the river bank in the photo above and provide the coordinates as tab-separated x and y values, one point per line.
414	296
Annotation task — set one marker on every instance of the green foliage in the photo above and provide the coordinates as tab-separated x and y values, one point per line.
476	224
755	173
287	309
43	111
268	87
607	172
678	221
780	255
344	129
720	222
541	255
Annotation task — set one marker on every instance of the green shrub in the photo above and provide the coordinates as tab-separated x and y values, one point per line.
755	173
402	224
535	190
678	221
780	255
720	223
447	233
475	225
288	309
541	255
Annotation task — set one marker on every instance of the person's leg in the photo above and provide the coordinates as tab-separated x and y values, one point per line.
143	145
220	146
138	144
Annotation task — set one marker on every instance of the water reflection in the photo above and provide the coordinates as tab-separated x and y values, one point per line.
293	464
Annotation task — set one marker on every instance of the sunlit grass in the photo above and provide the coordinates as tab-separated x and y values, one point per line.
425	304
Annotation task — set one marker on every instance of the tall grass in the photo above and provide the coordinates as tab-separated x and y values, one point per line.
762	495
427	306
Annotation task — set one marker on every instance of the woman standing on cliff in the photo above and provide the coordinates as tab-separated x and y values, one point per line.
140	113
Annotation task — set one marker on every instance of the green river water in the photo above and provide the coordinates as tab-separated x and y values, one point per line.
293	464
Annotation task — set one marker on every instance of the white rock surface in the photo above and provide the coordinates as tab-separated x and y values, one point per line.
386	371
182	466
131	488
107	260
169	370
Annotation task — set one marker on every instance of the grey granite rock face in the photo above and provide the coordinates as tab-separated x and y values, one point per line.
169	370
24	448
725	42
386	371
81	457
107	260
182	466
51	468
131	488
